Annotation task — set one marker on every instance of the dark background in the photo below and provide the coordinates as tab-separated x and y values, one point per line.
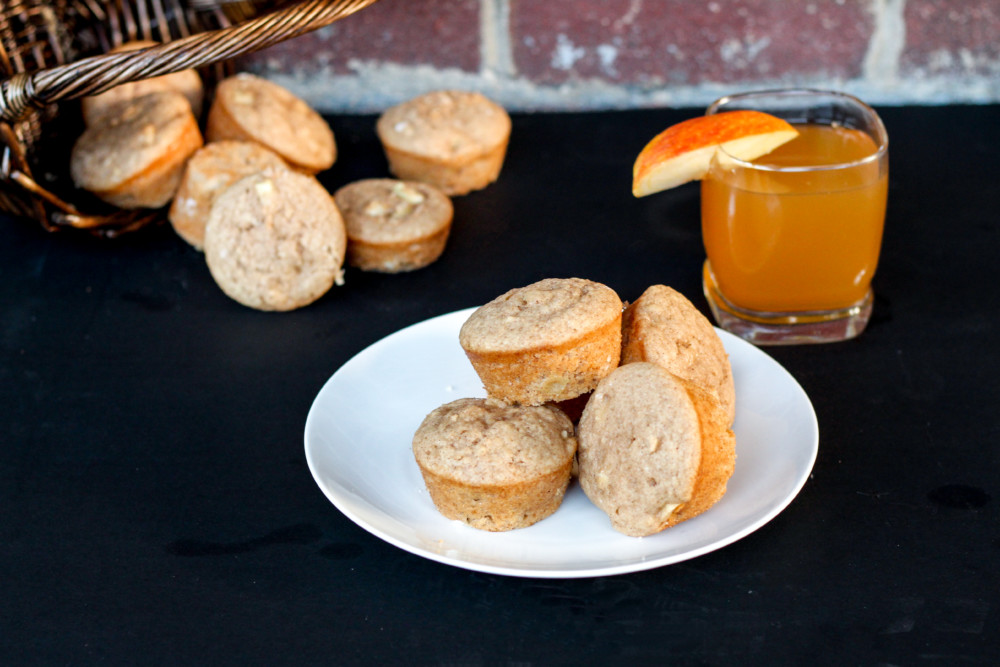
156	508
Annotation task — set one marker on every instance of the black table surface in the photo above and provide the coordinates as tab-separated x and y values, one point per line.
157	507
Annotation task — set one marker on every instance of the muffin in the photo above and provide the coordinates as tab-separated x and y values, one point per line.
135	156
654	450
549	341
663	327
392	225
275	240
453	140
495	466
249	108
212	169
186	82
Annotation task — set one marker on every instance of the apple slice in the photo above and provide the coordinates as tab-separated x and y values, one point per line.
683	152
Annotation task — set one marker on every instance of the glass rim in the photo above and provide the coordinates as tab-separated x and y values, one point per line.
881	138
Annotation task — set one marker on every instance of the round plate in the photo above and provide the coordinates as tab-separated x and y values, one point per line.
360	427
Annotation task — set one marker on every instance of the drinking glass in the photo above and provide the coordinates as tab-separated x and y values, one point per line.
793	238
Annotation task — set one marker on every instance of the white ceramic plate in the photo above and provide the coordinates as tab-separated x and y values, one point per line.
360	427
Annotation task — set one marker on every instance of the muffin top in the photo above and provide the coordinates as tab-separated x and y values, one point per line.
209	171
388	211
445	124
275	117
480	441
547	313
275	240
664	327
214	162
130	138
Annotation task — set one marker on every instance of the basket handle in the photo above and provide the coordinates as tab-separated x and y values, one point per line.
89	76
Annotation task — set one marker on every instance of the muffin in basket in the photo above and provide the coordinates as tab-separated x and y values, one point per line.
135	156
186	82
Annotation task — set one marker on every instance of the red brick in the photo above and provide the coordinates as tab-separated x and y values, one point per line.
686	43
439	33
952	37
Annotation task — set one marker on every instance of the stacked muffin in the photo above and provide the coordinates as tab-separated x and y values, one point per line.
654	444
550	341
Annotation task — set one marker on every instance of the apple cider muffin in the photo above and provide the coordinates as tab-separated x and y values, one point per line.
664	327
135	156
186	82
654	450
250	108
454	140
550	341
212	169
495	466
275	240
392	225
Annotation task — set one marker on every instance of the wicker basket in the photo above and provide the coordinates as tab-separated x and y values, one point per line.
55	51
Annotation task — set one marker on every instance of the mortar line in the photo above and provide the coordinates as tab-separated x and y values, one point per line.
494	39
887	42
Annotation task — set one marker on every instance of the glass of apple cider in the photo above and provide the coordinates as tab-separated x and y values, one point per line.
793	237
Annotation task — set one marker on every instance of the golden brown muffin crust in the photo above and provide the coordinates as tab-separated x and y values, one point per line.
664	327
446	125
718	455
550	312
454	140
495	466
250	108
550	374
389	211
549	341
135	157
394	225
486	442
208	172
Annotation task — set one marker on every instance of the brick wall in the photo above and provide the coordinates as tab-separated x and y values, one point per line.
593	54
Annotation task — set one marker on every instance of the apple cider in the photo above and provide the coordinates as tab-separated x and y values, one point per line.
798	229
